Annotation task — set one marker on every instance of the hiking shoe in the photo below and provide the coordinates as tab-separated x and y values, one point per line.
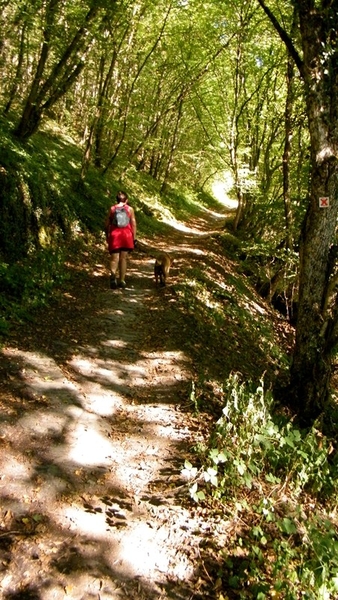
113	282
122	284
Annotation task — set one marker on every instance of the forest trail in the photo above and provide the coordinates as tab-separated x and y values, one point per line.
93	438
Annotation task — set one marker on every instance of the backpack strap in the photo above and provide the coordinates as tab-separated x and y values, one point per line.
111	215
127	209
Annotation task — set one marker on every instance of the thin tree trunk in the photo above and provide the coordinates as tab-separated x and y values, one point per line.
44	95
18	74
172	147
132	87
99	121
30	112
93	126
102	101
287	153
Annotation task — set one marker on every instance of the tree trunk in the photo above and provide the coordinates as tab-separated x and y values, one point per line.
316	322
141	67
311	367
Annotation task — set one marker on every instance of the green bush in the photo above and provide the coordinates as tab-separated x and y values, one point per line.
286	473
28	284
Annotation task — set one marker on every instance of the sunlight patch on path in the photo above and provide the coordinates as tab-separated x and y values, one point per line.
87	440
181	227
44	379
38	371
186	249
222	187
143	550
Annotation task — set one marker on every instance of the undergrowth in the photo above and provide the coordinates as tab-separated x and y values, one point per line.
229	317
28	284
278	483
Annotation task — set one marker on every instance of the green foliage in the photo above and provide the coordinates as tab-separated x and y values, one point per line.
231	244
266	254
218	302
185	204
44	207
28	284
272	270
43	202
274	475
267	446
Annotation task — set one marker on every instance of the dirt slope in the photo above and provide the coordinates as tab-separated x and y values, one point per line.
93	435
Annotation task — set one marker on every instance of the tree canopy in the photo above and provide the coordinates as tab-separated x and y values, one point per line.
200	93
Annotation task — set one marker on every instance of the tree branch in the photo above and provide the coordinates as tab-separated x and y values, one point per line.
284	37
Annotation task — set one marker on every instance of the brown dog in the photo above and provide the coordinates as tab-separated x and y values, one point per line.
162	268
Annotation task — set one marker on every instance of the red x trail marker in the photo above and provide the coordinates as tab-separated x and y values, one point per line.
324	202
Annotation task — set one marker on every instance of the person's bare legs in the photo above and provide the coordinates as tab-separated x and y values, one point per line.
113	265
123	265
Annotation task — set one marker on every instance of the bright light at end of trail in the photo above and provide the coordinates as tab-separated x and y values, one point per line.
220	188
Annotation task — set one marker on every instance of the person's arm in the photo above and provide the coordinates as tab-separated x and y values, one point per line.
133	222
107	224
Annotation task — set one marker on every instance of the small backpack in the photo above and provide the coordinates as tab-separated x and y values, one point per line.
120	217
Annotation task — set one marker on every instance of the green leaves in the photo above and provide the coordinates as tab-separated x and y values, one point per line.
189	472
217	456
210	475
262	468
287	525
196	494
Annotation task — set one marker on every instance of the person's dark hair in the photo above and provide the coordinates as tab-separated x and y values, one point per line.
121	197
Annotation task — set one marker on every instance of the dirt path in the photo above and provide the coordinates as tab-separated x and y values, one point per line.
92	441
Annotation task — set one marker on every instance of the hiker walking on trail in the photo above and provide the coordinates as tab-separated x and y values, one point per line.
121	236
